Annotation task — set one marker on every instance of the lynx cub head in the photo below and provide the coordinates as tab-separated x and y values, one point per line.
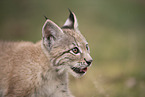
66	47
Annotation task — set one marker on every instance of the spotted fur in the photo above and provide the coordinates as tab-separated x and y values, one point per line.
41	69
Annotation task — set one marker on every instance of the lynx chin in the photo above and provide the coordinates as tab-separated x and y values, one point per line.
41	69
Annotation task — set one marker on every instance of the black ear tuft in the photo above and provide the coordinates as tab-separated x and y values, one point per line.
71	16
45	17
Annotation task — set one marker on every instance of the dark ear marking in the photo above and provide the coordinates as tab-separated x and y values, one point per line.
50	33
71	16
49	38
45	17
71	22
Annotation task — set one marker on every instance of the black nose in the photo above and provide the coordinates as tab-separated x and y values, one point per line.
88	62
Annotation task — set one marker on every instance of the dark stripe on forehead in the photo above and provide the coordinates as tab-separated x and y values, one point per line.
72	34
74	44
76	41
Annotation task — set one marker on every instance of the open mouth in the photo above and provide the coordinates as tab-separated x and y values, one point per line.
79	70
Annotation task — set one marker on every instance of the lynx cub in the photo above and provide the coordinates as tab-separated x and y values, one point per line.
41	69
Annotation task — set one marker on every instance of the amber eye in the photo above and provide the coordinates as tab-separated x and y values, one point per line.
75	50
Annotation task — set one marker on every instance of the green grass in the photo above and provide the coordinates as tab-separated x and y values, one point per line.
115	30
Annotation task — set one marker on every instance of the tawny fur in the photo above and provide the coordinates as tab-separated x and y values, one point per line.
41	69
26	75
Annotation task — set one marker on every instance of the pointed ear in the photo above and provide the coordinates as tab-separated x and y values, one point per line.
71	22
50	33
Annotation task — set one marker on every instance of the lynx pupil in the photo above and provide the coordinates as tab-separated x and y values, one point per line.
75	50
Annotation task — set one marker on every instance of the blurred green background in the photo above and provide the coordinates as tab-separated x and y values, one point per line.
115	30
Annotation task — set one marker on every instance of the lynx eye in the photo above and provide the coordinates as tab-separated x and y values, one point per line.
75	50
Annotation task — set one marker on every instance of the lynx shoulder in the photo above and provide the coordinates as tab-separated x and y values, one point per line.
41	69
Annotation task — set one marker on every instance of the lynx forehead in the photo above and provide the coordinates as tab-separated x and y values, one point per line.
41	69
